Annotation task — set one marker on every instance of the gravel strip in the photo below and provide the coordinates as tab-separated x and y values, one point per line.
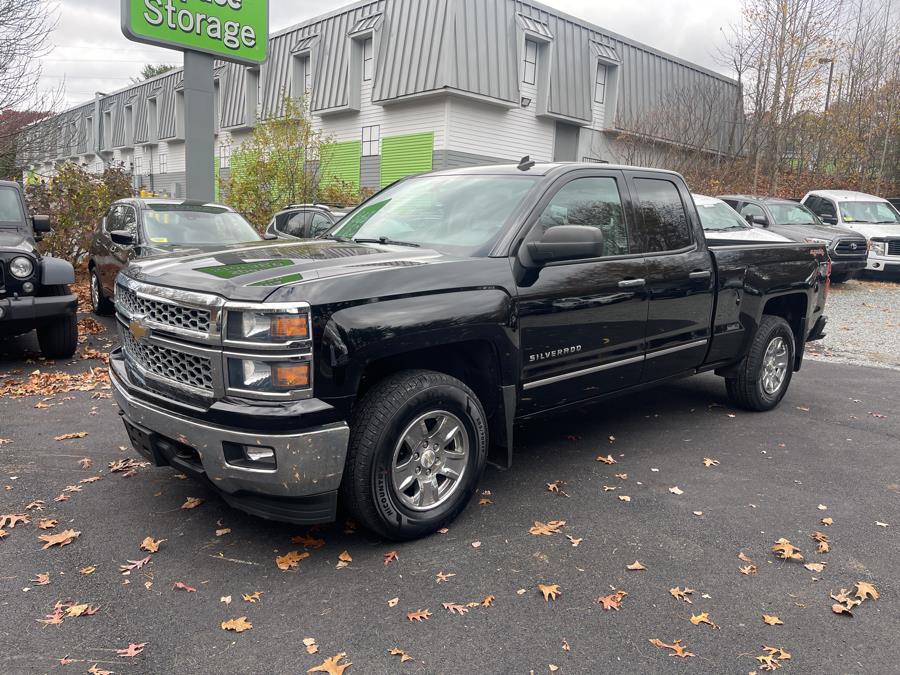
863	325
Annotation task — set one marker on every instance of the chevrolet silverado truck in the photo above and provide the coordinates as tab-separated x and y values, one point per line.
382	364
34	288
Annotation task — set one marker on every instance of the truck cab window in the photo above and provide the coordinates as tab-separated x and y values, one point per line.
10	208
664	222
592	202
752	210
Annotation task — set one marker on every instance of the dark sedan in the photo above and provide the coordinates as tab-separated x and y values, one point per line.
847	249
150	227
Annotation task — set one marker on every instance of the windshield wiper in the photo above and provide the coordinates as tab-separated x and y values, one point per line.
333	237
387	241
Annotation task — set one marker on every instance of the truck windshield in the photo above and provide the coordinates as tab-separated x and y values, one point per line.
792	214
869	212
720	217
180	225
11	214
462	213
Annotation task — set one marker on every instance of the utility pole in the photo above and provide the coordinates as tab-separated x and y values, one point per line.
830	61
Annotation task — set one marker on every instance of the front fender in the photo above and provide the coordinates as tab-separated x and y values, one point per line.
357	336
56	272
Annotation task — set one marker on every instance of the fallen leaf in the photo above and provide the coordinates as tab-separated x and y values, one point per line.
332	666
748	569
290	560
772	659
90	569
575	542
677	648
61	539
393	602
682	593
94	670
181	586
151	545
41	579
452	607
865	590
476	544
822	507
622	476
815	567
785	550
697	513
252	597
484	501
311	646
68	437
192	503
550	592
771	620
703	617
606	460
676	490
70	489
90	479
133	565
488	601
880	524
441	577
47	524
308	542
708	462
612	601
3	534
420	615
743	556
36	505
828	521
390	556
636	566
553	668
10	520
624	498
551	527
131	650
238	625
223	531
85	462
344	559
396	651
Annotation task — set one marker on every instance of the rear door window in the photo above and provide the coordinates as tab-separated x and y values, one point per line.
114	219
664	224
752	210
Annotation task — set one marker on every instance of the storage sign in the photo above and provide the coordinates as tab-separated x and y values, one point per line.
234	30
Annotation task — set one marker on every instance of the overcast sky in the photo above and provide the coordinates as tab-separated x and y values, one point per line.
90	54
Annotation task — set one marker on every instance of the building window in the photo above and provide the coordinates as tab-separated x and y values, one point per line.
371	141
600	84
225	156
138	166
531	54
368	60
163	163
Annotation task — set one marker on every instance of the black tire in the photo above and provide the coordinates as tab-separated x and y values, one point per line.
368	491
58	339
747	389
100	304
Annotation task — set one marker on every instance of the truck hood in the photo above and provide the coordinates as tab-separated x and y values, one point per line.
14	239
251	272
878	230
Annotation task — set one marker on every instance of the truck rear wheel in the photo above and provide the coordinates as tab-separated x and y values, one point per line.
418	447
765	374
58	339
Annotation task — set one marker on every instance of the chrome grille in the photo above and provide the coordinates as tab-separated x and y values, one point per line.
893	247
845	247
162	313
178	367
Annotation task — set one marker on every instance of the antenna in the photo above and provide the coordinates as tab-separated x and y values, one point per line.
525	163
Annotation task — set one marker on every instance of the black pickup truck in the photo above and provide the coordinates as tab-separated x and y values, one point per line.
34	288
384	363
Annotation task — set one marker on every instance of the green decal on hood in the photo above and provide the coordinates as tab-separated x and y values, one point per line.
288	279
243	269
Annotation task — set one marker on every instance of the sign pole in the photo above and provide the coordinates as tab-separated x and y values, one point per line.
199	126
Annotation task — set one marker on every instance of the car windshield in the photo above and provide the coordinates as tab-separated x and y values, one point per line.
11	214
720	216
182	225
869	212
792	214
462	213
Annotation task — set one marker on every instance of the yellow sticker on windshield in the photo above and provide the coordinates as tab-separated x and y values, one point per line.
159	240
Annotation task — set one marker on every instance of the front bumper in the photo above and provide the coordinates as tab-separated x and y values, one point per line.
881	264
35	310
848	267
302	488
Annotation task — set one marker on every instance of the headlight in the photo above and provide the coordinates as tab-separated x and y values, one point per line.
21	267
816	240
268	377
276	326
879	247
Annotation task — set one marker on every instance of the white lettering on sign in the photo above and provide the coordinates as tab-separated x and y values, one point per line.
232	34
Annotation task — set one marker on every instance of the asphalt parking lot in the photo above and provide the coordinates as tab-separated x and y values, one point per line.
829	452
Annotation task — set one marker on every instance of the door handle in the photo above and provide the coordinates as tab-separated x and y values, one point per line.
704	274
632	283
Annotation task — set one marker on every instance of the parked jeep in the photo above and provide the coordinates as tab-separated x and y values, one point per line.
34	289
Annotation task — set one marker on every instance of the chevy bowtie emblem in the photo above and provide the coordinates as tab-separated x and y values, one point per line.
138	330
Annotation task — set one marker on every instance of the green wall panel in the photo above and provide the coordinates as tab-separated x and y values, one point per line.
341	161
403	156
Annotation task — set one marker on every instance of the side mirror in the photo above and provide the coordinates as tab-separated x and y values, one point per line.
270	236
41	224
122	237
830	220
565	242
761	221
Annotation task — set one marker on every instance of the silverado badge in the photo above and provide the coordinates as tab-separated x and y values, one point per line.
138	330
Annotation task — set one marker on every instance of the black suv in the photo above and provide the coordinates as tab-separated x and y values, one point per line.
847	249
303	221
146	227
34	289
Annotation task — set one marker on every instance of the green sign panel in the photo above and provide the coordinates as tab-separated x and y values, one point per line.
234	30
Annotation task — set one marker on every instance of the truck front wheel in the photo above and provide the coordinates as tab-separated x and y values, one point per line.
418	447
59	338
763	378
